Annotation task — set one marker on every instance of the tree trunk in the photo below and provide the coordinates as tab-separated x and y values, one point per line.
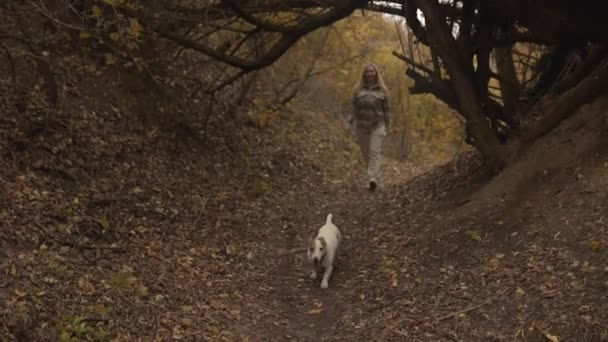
509	84
550	68
460	70
595	56
591	87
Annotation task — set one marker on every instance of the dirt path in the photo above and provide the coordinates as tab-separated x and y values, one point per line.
303	310
317	314
418	265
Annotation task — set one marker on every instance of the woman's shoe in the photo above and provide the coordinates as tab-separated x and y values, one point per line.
372	185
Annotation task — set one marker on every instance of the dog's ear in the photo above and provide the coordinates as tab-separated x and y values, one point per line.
323	242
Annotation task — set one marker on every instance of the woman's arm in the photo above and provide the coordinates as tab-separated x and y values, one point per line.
353	111
386	111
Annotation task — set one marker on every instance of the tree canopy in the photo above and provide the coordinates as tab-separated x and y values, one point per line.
491	61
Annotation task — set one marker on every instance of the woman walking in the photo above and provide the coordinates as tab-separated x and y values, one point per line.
370	119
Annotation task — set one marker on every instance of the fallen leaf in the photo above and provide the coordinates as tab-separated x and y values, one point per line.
124	280
141	290
187	321
473	234
596	245
104	224
550	293
315	311
84	35
96	12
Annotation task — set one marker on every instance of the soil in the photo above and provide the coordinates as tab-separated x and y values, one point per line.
112	230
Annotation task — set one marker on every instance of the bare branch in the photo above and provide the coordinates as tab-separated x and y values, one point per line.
250	18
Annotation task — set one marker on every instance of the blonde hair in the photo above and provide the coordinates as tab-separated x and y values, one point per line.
379	79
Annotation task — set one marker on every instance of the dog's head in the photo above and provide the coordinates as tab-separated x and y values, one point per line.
317	248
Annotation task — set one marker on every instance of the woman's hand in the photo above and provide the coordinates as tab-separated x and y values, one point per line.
389	129
348	128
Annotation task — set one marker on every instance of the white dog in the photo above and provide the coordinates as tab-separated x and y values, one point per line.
323	249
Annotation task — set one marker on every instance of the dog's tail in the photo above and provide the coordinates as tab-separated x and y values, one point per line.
328	220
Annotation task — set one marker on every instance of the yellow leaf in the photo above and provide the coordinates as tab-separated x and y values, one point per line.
110	59
90	68
84	35
142	290
124	280
134	28
473	234
596	245
131	5
104	224
100	309
315	311
96	12
551	338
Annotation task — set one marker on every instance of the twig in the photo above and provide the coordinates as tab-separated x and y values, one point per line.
382	306
445	334
207	116
45	12
94	320
11	62
457	313
117	249
545	334
200	212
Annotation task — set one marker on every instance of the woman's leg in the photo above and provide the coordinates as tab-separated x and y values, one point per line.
375	154
363	137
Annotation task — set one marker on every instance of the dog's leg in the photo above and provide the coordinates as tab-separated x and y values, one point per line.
315	271
325	281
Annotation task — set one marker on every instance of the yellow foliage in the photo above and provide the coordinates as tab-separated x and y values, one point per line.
84	35
134	30
432	131
96	12
110	59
